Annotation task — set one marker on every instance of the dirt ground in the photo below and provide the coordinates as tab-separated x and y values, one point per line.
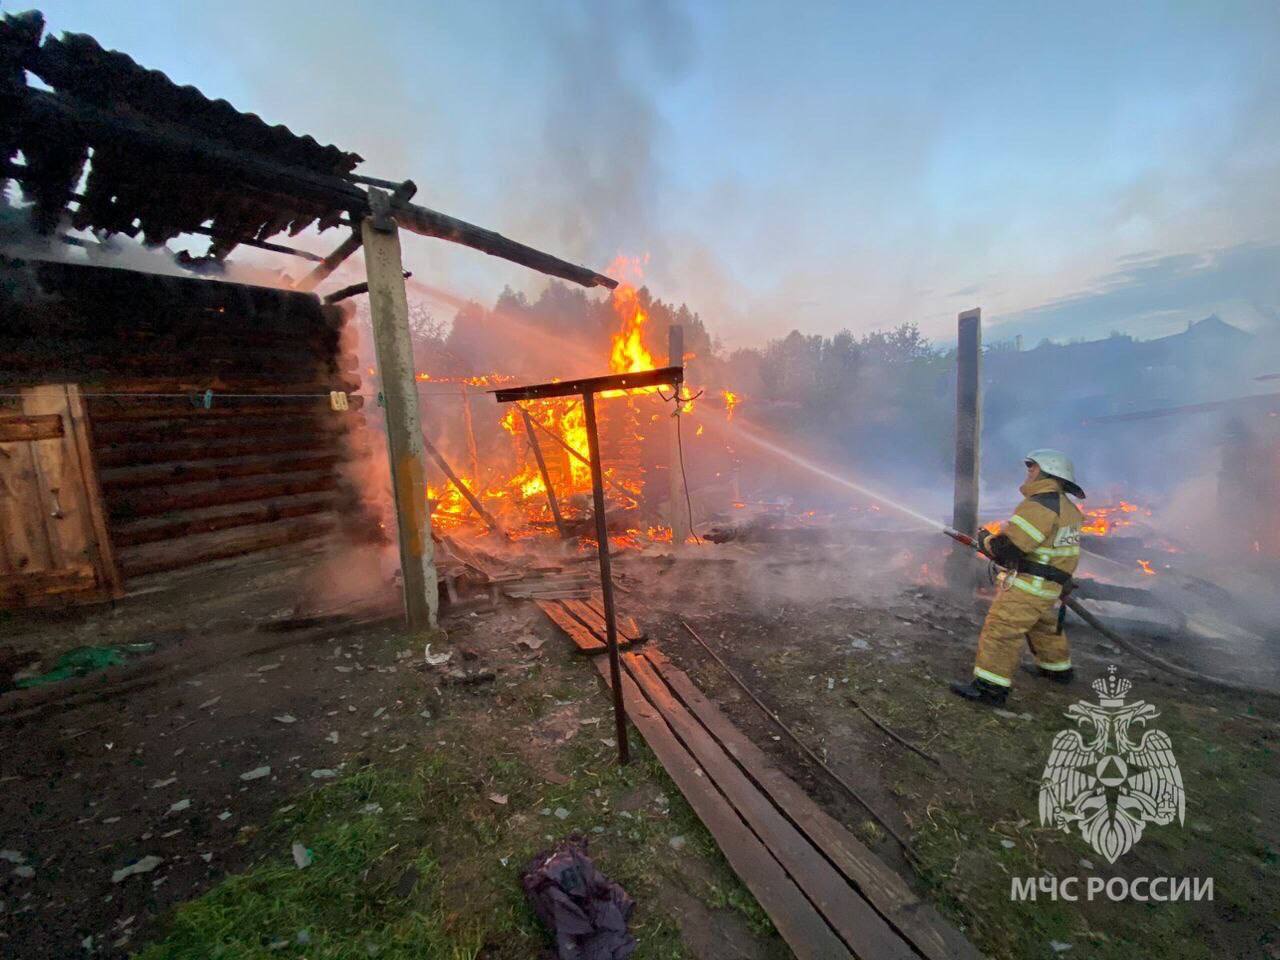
208	774
420	794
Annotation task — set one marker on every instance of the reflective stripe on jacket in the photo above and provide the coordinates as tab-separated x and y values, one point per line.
1046	528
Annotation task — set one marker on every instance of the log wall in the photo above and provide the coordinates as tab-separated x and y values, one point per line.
267	463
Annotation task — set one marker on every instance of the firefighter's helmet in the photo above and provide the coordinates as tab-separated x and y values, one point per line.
1055	463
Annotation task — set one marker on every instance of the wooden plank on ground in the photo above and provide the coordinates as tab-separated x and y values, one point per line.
887	892
594	621
795	918
582	638
627	626
862	929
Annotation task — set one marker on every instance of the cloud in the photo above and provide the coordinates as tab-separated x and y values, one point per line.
1150	295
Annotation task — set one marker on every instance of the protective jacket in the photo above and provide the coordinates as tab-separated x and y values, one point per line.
1041	541
1040	546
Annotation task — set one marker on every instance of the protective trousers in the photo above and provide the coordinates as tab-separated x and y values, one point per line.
1014	616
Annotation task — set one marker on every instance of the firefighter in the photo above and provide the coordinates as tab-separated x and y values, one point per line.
1039	548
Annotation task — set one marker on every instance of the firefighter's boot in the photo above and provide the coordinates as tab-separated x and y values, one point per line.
1063	677
981	691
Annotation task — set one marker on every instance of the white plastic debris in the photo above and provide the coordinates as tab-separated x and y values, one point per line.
324	774
145	865
285	718
180	806
157	784
332	737
677	843
499	798
208	703
257	773
561	813
436	659
301	856
225	815
24	871
1007	844
13	856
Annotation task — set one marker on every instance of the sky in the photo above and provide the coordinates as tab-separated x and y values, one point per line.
1072	169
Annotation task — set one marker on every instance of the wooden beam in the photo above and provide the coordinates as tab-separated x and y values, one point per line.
460	485
678	514
552	502
662	377
389	308
430	223
964	513
331	262
326	191
964	516
469	425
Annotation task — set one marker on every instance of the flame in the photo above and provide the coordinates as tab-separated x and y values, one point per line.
448	506
731	400
1146	567
518	492
1104	520
484	380
993	527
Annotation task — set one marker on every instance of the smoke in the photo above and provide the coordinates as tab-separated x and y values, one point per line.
597	178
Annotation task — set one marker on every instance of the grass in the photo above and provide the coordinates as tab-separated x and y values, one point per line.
1230	781
960	820
418	861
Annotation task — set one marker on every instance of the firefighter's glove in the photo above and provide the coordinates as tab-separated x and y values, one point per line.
1000	549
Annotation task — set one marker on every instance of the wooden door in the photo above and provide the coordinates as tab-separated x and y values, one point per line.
54	546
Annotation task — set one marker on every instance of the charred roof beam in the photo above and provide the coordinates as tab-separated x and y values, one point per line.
329	192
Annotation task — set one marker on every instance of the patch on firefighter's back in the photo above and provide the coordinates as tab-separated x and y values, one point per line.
1105	782
1067	537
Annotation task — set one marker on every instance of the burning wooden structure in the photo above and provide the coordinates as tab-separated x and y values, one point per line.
108	147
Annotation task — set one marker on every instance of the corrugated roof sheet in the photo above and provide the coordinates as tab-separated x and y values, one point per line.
132	188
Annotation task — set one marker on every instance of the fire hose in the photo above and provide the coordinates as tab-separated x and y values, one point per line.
1076	607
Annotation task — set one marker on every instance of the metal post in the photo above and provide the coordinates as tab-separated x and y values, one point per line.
677	512
606	578
389	309
546	477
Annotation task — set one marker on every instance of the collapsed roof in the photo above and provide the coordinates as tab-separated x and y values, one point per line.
133	188
165	160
